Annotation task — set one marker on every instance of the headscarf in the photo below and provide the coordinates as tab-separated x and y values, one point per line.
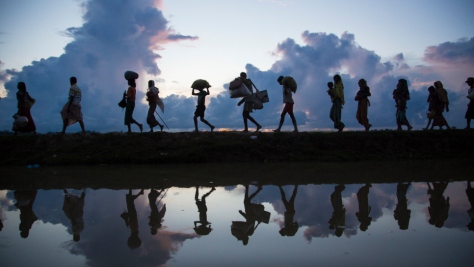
338	90
442	93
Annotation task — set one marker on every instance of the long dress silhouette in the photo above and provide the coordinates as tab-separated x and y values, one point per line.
338	219
401	212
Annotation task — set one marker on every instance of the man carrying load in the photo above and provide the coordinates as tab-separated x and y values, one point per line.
200	108
249	101
288	100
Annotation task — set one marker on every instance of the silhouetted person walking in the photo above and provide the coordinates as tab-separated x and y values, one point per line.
73	207
470	107
156	215
201	107
25	102
470	197
203	226
337	98
443	105
152	98
439	205
243	230
249	101
25	200
364	208
290	226
338	219
289	103
131	96
401	212
131	219
72	111
363	104
401	95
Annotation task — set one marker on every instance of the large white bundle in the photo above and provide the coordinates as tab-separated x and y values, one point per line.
242	91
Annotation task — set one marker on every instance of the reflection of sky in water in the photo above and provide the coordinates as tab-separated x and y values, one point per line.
104	238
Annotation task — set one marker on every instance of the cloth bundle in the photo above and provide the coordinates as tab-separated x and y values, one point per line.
242	91
200	84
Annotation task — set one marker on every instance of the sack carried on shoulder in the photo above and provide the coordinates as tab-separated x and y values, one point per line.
288	81
235	84
240	92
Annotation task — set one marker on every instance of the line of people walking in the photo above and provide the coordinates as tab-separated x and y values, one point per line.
71	113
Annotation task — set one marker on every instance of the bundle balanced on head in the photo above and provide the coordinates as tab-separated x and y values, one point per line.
131	96
201	107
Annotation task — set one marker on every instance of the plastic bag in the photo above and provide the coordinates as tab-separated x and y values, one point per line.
242	91
262	96
257	103
20	122
123	103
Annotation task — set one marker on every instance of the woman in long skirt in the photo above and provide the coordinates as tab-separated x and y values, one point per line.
152	97
131	96
363	104
25	101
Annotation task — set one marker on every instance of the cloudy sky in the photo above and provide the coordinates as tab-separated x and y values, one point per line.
176	42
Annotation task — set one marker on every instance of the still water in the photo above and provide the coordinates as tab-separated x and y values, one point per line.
378	224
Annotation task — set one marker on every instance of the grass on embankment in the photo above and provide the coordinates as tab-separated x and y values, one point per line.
220	147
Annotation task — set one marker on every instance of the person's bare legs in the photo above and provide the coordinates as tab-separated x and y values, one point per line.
65	123
81	123
282	120
293	119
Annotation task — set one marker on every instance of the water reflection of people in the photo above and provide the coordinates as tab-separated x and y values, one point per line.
401	212
202	227
131	220
290	226
439	205
73	207
470	197
156	214
338	219
364	208
25	200
242	230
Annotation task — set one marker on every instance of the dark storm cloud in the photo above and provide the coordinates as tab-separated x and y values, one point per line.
114	38
458	52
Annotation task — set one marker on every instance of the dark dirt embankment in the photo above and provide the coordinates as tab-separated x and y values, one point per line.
231	147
